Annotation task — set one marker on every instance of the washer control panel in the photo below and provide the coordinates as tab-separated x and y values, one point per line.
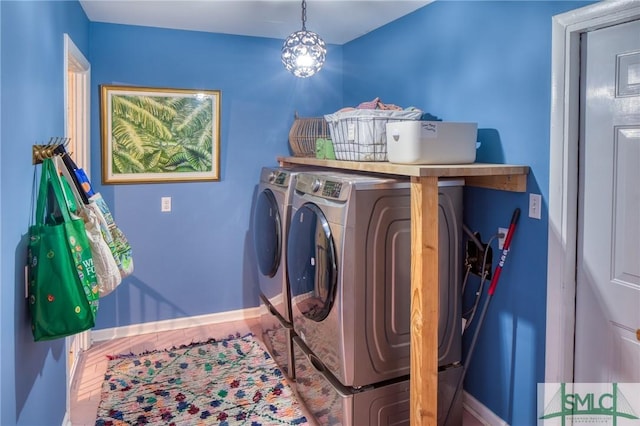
331	189
322	186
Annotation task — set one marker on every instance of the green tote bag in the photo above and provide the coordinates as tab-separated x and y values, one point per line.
63	289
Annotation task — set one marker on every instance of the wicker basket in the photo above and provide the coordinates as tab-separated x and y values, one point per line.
303	135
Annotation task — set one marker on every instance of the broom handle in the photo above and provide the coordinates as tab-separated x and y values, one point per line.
505	251
483	313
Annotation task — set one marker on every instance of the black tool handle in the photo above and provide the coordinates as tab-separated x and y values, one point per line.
72	167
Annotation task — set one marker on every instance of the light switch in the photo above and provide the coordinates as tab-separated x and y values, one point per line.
165	204
535	206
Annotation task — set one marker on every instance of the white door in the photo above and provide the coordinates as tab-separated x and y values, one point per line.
607	340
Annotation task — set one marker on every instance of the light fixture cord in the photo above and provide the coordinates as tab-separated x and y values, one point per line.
304	15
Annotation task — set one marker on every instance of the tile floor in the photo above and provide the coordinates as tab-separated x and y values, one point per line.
85	391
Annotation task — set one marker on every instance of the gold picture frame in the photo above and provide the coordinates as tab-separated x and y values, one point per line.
155	135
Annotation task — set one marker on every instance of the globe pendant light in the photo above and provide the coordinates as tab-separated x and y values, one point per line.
303	52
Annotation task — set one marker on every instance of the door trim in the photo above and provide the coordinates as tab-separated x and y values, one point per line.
77	89
77	84
563	175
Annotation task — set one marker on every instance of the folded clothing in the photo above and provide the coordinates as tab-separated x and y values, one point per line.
369	105
376	103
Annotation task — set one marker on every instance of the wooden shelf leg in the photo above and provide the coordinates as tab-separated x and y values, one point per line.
424	301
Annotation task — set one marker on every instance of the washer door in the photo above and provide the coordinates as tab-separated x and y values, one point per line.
267	233
311	263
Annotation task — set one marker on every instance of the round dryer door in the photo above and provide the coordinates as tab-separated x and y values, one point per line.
267	233
311	262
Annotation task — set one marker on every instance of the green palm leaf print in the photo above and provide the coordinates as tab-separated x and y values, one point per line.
159	134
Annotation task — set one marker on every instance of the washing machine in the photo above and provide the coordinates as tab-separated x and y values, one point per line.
271	214
349	268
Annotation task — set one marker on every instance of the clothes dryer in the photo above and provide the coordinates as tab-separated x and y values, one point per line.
349	268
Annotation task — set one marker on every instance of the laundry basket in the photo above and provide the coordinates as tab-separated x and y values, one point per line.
303	134
361	135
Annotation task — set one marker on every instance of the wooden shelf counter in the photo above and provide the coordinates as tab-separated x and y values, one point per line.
424	260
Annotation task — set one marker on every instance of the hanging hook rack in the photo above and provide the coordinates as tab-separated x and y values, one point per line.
57	146
48	150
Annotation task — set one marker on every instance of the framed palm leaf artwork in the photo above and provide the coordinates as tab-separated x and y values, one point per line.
152	135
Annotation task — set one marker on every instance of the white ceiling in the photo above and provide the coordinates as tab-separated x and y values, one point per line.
336	21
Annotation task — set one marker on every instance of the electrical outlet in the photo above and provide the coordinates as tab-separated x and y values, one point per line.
502	231
535	207
165	204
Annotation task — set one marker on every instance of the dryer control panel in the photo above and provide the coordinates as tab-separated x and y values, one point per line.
279	178
275	176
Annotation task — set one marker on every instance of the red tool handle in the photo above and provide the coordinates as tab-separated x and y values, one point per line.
505	251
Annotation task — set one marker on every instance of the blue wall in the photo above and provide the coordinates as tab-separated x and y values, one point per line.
33	374
490	63
198	258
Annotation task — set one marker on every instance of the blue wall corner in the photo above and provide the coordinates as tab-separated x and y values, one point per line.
490	63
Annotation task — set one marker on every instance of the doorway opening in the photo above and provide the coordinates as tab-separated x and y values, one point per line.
563	180
77	113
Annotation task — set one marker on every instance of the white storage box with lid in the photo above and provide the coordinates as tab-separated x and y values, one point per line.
431	142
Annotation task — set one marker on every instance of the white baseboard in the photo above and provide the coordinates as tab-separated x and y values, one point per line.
173	324
480	411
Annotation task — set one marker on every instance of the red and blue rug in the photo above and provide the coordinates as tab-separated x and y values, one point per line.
225	382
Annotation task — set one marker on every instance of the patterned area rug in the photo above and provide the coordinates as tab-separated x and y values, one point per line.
226	382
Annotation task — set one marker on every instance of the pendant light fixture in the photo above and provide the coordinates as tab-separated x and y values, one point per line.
303	52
